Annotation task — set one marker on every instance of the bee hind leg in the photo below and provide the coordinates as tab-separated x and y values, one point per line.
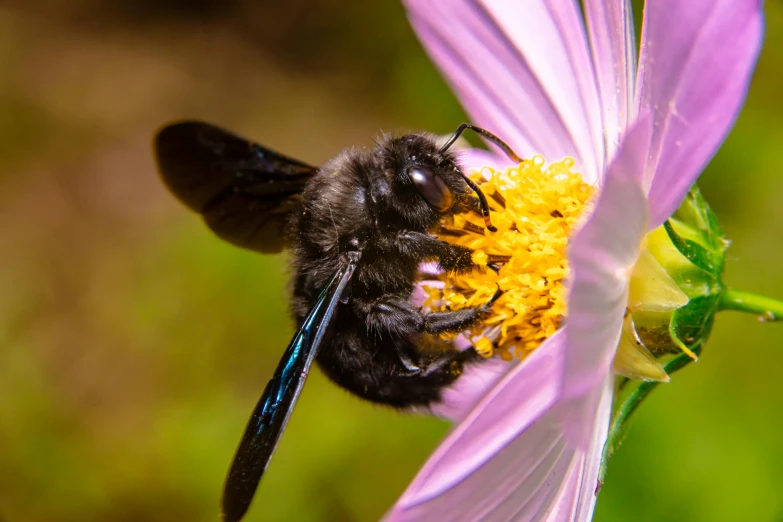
440	365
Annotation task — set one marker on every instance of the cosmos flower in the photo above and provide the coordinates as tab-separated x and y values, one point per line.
562	81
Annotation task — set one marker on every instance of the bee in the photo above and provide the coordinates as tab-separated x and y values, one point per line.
357	229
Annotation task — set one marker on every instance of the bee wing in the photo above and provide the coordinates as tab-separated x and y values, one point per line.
244	191
276	404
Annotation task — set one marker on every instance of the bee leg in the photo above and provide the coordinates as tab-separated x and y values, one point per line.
397	317
405	358
453	321
390	314
458	320
434	324
450	365
452	258
400	318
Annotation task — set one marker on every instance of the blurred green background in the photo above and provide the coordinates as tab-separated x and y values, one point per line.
134	343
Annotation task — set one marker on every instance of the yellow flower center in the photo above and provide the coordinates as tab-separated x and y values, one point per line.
535	208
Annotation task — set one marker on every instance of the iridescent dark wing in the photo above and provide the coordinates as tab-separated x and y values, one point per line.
276	404
244	191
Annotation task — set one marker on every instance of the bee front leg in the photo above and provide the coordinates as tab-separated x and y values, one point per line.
452	258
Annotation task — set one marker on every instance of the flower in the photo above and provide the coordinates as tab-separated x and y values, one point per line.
550	81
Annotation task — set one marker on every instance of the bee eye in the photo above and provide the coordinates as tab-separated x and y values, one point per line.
432	188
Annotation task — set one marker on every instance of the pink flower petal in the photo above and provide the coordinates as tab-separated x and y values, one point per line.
521	70
475	159
509	459
577	497
512	406
611	30
602	254
457	400
696	63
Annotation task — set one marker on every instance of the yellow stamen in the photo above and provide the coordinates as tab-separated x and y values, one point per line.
535	208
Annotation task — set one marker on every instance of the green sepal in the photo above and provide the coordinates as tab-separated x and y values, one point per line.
696	233
693	251
693	322
694	230
695	211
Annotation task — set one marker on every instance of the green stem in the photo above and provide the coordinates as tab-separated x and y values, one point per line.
628	405
766	308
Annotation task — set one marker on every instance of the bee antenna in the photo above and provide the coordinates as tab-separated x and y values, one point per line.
484	133
497	141
482	202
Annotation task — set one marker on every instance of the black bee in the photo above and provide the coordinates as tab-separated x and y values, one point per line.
357	228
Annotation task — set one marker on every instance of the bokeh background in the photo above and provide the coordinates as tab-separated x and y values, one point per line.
134	344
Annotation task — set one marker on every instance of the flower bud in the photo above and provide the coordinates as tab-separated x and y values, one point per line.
683	258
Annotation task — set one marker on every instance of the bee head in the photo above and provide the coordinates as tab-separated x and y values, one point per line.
424	182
